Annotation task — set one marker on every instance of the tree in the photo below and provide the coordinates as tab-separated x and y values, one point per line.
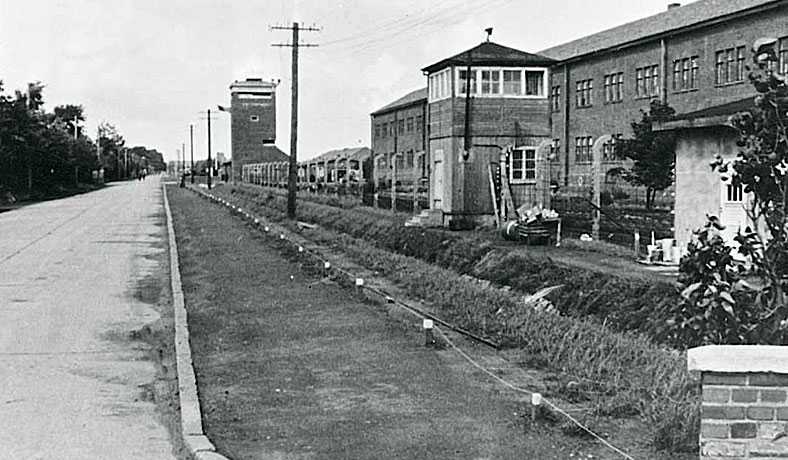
653	153
751	295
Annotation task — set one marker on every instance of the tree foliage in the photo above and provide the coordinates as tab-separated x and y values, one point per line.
753	290
44	152
652	153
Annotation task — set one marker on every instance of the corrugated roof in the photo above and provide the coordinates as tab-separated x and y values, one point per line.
354	153
489	53
408	99
667	21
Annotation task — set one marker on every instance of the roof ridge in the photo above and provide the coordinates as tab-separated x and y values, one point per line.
665	21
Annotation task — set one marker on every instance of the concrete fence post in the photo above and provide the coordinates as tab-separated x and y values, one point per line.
744	412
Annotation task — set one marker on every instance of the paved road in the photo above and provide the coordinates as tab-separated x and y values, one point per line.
72	383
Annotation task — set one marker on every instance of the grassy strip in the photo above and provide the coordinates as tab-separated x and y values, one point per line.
624	373
625	304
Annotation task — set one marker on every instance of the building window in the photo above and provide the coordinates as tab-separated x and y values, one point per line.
647	81
534	83
555	150
609	150
512	82
409	159
439	85
583	149
555	98
523	165
501	81
491	82
729	67
685	74
783	56
400	126
419	123
614	87
463	79
254	118
585	89
409	124
377	131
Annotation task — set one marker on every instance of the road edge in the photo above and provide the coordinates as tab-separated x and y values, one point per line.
197	443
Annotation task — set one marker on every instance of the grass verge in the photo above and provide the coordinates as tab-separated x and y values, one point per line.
622	373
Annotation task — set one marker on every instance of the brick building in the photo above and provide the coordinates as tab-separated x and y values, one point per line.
399	140
253	126
691	57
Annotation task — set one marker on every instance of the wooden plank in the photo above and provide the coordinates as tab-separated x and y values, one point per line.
494	196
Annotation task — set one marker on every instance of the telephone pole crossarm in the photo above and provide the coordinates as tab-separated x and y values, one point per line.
295	44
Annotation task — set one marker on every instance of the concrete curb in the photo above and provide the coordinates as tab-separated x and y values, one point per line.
194	439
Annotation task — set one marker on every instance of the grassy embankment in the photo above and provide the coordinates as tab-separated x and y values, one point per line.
603	346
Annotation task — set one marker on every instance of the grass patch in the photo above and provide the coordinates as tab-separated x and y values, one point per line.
621	372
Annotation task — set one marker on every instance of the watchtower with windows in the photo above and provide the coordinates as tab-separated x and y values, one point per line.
253	130
487	106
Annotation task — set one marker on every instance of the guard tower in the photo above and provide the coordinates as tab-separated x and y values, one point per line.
253	108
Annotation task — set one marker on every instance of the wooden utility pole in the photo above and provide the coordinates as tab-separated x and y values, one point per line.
191	147
292	180
210	164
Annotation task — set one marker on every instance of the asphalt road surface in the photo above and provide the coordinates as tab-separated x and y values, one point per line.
73	383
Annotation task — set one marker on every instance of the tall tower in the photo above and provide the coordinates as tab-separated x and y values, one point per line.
253	108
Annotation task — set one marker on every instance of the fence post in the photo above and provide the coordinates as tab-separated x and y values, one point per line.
394	183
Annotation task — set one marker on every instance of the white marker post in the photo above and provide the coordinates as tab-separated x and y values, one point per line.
326	268
429	339
637	244
536	400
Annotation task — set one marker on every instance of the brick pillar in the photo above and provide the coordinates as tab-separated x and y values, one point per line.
744	413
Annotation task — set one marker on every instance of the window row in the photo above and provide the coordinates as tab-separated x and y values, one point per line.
402	126
584	148
489	81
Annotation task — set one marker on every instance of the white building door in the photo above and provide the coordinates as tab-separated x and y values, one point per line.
733	214
436	200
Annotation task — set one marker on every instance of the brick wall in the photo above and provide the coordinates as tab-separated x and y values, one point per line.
744	412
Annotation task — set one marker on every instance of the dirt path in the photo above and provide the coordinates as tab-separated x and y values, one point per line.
291	367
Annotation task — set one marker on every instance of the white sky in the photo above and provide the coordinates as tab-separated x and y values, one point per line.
150	66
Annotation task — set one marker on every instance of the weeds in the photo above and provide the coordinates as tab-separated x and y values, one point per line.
620	373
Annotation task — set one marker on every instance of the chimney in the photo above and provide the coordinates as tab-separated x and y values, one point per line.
673	5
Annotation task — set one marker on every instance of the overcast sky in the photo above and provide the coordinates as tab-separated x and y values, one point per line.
151	66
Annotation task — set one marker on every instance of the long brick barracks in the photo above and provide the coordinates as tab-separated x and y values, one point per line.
559	105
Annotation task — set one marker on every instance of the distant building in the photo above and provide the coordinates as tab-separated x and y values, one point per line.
253	111
340	166
399	139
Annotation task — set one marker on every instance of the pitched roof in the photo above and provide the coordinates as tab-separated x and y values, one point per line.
272	153
665	22
353	153
489	53
717	115
413	97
